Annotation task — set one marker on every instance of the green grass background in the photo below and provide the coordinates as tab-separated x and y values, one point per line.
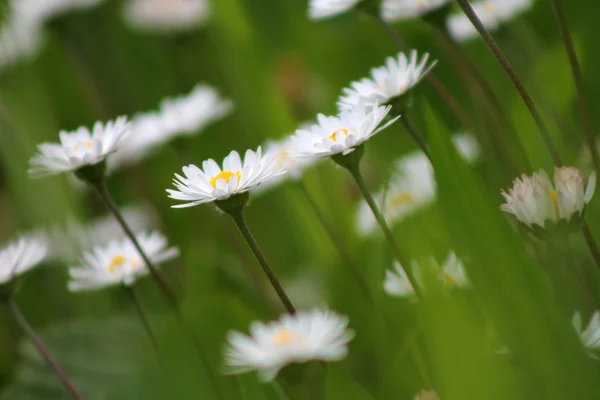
280	69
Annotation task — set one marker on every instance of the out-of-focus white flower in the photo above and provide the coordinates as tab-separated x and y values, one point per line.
427	395
533	200
395	10
20	39
467	146
40	11
119	262
21	255
394	79
68	242
451	274
590	336
340	134
212	183
321	9
166	15
313	335
79	148
492	14
412	187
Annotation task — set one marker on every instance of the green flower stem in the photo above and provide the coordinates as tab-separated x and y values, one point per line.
41	348
443	92
351	162
337	243
578	78
245	231
491	43
104	194
146	324
412	131
589	240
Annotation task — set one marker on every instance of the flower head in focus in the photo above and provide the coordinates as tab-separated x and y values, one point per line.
387	83
21	255
79	148
492	14
590	336
212	183
321	9
119	262
396	10
450	274
533	200
313	335
340	134
412	187
166	15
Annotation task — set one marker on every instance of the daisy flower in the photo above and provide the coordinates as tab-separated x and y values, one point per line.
313	335
533	200
21	255
451	274
590	336
119	262
321	9
212	183
394	79
166	15
79	148
412	187
41	11
492	14
396	10
20	39
340	134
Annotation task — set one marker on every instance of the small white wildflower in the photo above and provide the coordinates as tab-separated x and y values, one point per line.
41	11
321	9
590	336
166	15
396	10
21	255
313	335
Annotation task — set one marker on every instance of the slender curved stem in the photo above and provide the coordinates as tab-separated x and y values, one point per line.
412	131
491	43
245	231
589	240
578	78
42	349
443	92
110	204
404	263
146	324
337	243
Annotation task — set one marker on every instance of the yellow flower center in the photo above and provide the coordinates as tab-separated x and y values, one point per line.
226	176
449	280
116	262
87	144
333	135
554	197
283	336
401	199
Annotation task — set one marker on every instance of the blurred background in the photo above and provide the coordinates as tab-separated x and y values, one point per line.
280	69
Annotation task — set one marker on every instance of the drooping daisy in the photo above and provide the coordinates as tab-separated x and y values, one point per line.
412	187
41	11
166	15
321	9
119	262
396	10
590	336
20	39
340	134
79	148
212	183
313	335
21	255
534	200
451	274
388	82
492	14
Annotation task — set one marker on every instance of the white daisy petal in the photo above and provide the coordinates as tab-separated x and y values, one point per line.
21	255
321	9
396	10
166	15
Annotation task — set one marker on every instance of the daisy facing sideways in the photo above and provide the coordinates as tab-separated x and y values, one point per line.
21	255
213	183
299	338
